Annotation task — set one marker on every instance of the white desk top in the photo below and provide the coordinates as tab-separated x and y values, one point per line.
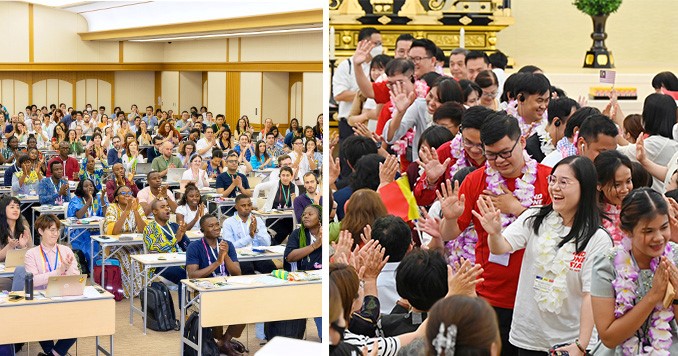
90	293
281	346
247	282
115	239
53	209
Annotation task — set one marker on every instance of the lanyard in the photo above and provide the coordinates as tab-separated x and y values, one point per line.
168	232
209	260
243	224
285	197
45	261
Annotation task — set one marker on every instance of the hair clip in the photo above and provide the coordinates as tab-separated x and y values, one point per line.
444	344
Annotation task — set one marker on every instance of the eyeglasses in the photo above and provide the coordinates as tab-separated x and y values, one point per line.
489	95
418	59
470	145
125	193
562	182
503	154
232	161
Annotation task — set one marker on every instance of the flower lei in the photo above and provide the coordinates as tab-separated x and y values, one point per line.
552	264
525	128
612	226
463	246
524	186
457	151
657	340
545	140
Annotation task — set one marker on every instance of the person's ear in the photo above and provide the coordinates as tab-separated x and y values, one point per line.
581	144
599	187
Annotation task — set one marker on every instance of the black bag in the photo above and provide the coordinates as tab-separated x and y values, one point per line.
160	313
209	346
294	329
82	262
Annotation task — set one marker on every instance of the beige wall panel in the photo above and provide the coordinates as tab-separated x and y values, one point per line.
275	97
52	92
134	88
195	51
21	99
250	96
560	46
135	52
14	32
55	34
190	90
293	47
104	91
91	93
232	49
80	94
205	102
39	93
296	100
7	97
312	98
170	91
216	92
65	93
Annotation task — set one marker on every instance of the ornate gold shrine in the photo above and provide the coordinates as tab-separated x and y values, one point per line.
437	20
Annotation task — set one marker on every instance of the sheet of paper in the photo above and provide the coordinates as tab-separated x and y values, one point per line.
276	249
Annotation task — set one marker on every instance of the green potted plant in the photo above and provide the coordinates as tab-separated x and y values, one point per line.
599	10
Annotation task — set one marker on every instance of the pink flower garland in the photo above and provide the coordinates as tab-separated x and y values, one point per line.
658	339
524	186
463	246
457	151
613	226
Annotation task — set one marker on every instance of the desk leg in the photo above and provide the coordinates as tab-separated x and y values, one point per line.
182	317
200	331
145	296
131	299
91	260
96	346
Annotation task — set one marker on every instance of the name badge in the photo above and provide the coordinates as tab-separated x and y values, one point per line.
500	259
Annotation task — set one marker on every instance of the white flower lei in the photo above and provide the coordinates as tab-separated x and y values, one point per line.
545	140
524	186
552	264
658	338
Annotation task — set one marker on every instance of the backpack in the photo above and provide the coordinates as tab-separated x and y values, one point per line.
294	329
160	312
113	278
209	346
82	262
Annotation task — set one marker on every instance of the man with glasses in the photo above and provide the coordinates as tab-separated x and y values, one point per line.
441	165
41	135
524	183
115	154
231	183
154	151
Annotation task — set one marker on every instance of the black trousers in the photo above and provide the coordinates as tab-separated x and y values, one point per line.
504	318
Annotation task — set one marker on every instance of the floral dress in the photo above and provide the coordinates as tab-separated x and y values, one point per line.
131	273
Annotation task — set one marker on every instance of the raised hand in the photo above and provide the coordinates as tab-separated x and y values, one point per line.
343	246
372	255
361	129
430	225
428	158
201	210
366	235
223	250
387	170
362	52
489	216
163	192
181	231
640	148
451	206
464	281
335	169
660	280
63	190
253	226
400	98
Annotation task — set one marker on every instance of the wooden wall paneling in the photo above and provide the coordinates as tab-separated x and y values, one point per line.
294	107
232	98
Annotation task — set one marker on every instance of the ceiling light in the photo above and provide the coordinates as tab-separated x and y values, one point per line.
227	35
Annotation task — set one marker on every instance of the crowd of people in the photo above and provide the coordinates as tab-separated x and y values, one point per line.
101	153
546	226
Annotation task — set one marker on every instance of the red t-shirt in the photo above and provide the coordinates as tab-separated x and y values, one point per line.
71	167
384	116
381	93
501	282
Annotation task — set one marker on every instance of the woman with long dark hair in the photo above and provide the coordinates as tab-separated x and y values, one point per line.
614	184
553	301
261	159
190	208
15	233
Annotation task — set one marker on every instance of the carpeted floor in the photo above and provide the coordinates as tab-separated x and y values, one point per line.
129	340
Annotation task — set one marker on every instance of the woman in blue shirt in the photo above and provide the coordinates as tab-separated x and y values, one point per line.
85	204
260	159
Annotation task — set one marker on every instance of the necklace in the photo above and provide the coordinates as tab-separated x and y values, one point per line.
656	340
544	140
552	265
524	186
613	226
463	246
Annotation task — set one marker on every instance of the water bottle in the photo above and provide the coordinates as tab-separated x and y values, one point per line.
28	286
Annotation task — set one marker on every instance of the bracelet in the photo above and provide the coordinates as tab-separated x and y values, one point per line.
581	348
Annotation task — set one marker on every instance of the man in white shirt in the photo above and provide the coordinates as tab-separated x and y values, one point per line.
244	230
204	145
344	85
